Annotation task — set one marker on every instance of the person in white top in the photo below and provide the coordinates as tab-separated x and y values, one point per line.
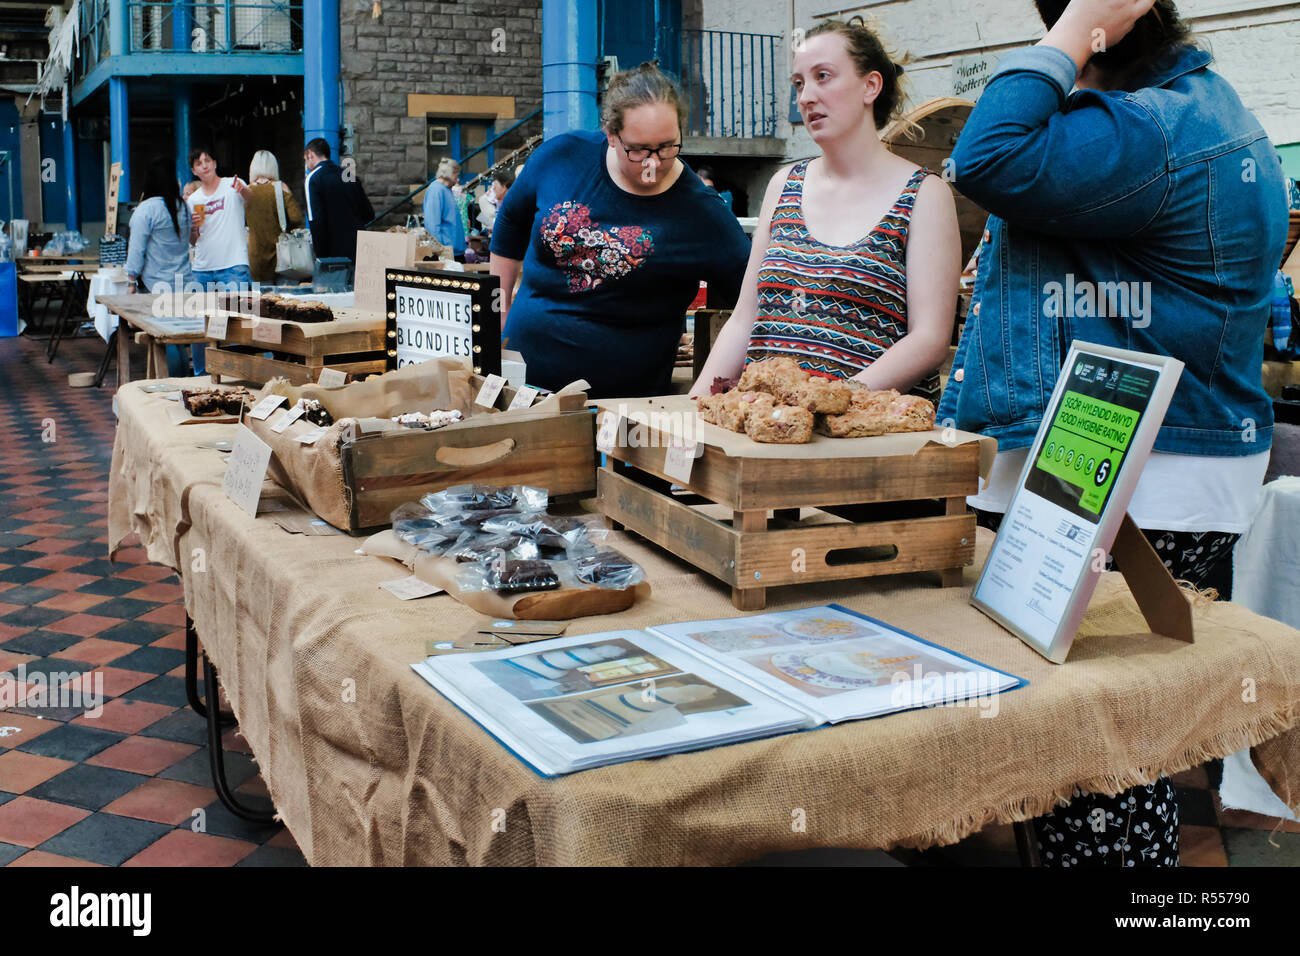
217	230
217	224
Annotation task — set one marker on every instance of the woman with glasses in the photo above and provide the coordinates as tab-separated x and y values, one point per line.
614	235
857	254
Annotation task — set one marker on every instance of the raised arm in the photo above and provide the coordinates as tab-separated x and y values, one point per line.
727	357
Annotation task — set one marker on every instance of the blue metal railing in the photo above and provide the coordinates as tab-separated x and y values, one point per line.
191	26
462	160
730	82
215	26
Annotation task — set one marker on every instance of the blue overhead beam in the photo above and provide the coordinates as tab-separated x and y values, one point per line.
188	64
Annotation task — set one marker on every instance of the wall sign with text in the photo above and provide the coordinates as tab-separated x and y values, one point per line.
1074	492
438	314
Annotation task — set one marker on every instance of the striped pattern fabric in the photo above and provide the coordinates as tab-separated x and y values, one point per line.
834	309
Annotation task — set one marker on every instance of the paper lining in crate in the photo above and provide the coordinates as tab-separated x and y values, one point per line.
352	343
364	465
920	481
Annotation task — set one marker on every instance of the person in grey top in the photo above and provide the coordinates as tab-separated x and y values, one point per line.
158	254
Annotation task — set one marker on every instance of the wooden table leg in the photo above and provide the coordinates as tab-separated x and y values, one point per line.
159	354
749	598
123	353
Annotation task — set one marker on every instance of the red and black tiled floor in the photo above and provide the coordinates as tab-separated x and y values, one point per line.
131	786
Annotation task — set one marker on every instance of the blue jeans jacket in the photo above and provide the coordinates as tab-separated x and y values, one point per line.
1152	219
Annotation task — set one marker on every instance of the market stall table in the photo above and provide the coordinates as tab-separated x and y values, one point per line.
369	765
153	332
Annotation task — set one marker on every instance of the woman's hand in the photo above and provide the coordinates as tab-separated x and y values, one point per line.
1092	26
189	189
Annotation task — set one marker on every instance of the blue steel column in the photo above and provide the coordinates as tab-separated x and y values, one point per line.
320	72
182	20
119	134
568	66
181	120
72	216
119	26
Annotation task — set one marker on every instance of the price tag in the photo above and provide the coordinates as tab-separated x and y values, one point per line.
487	395
524	397
217	326
678	459
309	437
608	433
246	470
332	378
407	589
267	330
263	409
288	418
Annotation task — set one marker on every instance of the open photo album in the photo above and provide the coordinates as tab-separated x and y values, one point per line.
582	702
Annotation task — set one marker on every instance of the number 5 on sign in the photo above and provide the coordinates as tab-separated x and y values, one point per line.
247	470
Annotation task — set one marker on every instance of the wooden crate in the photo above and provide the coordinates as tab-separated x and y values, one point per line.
748	521
352	344
552	451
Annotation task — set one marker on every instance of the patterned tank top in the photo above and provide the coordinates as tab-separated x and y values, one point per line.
834	309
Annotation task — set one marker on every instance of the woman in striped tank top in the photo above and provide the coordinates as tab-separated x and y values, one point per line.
854	266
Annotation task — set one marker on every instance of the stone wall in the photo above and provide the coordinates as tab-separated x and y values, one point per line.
1254	43
464	48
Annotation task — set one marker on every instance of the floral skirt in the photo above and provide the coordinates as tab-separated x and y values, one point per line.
1138	827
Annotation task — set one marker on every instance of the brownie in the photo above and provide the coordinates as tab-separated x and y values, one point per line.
475	547
606	568
311	311
316	413
203	402
521	576
271	306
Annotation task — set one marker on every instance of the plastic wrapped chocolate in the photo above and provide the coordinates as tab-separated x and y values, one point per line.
607	568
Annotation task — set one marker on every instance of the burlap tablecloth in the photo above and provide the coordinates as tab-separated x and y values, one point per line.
367	764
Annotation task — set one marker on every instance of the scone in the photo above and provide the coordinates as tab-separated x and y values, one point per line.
780	425
773	376
824	395
910	413
867	415
730	409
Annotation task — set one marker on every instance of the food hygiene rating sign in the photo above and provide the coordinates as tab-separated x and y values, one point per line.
437	314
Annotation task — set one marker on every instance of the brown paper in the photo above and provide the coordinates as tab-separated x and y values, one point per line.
377	251
672	412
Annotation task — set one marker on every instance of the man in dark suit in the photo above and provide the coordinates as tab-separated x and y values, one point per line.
336	204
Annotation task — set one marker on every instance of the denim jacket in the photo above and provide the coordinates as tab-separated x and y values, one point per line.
1150	219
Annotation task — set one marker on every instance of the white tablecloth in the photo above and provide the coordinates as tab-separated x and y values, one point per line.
104	284
1264	579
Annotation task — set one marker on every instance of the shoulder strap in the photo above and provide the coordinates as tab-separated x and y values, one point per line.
279	205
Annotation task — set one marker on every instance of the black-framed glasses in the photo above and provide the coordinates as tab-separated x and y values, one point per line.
640	155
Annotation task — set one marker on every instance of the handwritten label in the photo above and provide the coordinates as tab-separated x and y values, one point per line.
246	470
217	326
678	459
267	330
407	589
332	378
288	418
309	437
487	395
608	433
524	397
263	409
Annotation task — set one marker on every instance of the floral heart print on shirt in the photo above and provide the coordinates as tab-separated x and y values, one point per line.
592	253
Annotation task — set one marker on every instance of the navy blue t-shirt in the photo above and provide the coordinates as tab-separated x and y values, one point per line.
607	275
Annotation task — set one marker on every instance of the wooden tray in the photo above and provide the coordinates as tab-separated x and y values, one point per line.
352	343
761	521
552	451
